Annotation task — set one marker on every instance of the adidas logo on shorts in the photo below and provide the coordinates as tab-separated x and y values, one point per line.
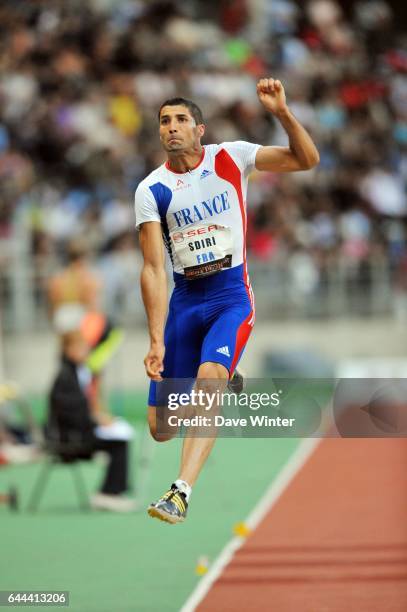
224	350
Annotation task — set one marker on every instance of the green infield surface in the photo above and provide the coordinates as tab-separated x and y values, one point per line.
123	563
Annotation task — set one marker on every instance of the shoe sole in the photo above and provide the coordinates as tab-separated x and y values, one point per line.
163	516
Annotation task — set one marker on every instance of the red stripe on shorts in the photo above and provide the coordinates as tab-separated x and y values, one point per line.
242	337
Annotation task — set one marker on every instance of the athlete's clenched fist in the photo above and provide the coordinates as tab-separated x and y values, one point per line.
272	95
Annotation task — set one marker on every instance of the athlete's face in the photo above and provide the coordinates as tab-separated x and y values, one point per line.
178	130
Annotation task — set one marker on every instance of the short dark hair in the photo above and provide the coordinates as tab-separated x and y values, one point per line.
191	106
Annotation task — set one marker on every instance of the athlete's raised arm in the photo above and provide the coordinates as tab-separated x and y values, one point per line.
154	292
301	154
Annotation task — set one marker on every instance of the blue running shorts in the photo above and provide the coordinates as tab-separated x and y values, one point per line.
209	319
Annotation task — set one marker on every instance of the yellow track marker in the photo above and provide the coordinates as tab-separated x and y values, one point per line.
202	566
241	530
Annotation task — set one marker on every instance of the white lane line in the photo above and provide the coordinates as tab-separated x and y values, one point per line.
272	494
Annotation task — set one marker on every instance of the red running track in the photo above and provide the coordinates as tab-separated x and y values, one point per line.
336	541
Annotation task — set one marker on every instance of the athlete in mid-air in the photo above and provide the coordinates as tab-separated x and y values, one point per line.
195	205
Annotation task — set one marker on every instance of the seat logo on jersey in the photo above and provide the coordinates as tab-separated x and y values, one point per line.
178	237
224	350
205	173
204	210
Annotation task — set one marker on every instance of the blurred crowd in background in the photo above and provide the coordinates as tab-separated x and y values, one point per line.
80	85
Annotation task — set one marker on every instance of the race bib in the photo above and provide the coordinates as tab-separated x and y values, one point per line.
203	249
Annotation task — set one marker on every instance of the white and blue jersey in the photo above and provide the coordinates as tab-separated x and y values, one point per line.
203	219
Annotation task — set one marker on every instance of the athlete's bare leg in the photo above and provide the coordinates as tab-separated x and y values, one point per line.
212	377
173	505
160	429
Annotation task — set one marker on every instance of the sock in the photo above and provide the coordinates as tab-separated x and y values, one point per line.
184	488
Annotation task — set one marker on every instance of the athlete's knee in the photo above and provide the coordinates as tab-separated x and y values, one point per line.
209	371
160	429
212	378
159	436
211	383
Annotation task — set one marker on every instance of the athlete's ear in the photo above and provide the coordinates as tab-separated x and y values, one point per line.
201	130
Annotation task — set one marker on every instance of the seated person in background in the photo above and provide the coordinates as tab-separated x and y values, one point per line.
71	418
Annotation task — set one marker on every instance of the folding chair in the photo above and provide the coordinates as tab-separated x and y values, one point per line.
69	454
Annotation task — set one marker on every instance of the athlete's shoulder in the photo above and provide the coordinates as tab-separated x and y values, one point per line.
157	175
145	203
242	152
238	145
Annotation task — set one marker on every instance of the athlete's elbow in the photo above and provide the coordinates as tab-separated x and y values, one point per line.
311	161
316	159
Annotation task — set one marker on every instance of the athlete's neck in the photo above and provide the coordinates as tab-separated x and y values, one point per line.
186	160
